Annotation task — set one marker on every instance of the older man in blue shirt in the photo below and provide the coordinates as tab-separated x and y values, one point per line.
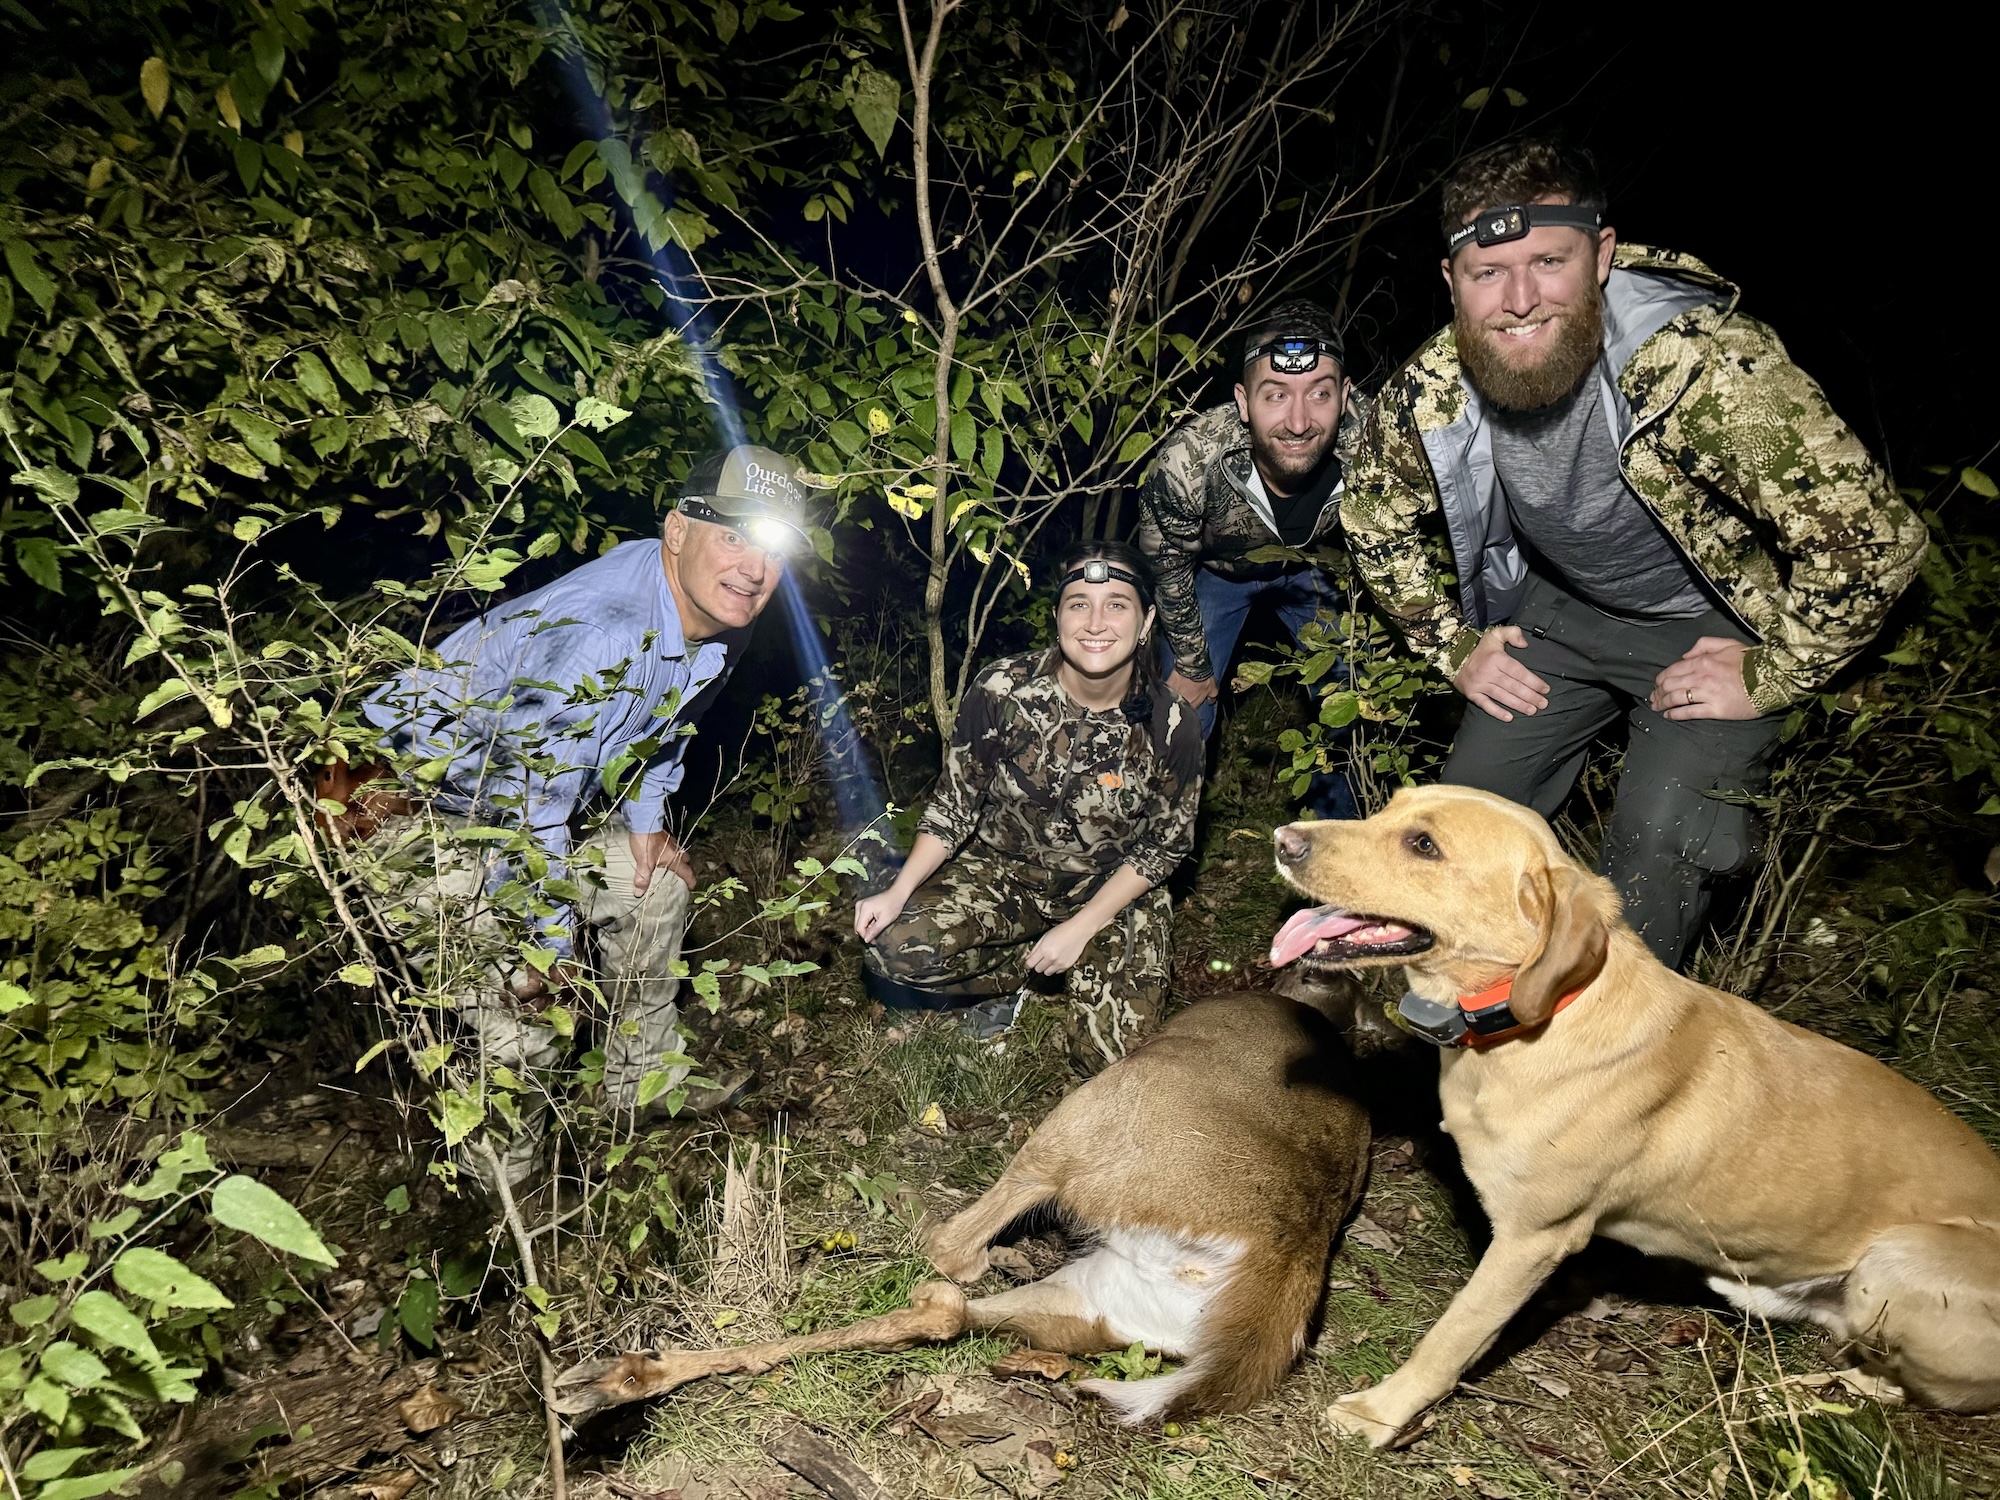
583	691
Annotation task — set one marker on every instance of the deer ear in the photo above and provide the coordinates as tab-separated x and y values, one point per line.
1574	941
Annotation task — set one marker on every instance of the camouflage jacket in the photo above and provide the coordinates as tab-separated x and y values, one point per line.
1771	496
1068	790
1195	511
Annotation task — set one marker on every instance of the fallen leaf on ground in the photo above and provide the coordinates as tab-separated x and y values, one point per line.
626	1490
1342	1286
1042	1470
1683	1331
388	1487
1365	1231
1011	1262
1560	1389
1050	1364
931	1121
1613	1361
964	1431
1598	1311
429	1409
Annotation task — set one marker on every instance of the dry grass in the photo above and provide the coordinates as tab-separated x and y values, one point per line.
1621	1380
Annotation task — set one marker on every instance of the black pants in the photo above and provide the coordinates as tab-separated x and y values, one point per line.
1669	837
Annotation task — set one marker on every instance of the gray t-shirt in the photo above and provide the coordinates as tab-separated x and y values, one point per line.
1571	505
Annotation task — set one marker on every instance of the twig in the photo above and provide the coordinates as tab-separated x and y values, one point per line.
524	1246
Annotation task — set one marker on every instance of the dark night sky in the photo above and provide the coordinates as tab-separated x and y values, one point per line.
1839	173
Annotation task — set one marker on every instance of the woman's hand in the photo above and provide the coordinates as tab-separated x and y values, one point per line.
873	913
1059	948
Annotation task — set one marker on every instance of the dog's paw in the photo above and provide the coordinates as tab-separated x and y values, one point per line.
1354	1414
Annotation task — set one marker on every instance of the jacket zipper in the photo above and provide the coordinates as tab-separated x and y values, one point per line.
1666	530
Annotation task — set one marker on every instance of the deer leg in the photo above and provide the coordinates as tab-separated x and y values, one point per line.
936	1313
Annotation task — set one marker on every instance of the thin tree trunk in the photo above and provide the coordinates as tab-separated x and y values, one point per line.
944	707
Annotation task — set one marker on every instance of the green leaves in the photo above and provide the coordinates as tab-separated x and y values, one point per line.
110	1321
191	1156
28	272
245	1204
417	1312
153	85
874	97
158	1277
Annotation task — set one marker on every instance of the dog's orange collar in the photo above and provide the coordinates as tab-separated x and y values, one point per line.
1491	1008
1476	1021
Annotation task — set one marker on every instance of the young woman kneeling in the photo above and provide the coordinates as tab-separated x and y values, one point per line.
1068	797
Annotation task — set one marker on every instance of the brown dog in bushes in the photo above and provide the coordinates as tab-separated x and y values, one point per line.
1210	1170
1592	1091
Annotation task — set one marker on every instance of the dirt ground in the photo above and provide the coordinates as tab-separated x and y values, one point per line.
798	1205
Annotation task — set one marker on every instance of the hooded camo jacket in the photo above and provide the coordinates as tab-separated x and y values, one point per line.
1195	511
1769	495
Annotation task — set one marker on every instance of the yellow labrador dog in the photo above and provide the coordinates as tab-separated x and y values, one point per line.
1591	1091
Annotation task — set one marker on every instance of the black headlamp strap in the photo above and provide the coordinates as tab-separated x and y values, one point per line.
1099	571
1496	226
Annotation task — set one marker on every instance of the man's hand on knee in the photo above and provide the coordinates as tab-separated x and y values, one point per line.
532	987
1707	683
1498	683
658	851
1197	690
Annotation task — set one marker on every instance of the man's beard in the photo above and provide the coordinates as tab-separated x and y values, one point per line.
1579	339
1292	473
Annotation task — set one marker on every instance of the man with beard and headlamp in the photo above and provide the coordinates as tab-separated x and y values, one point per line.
1651	512
1243	504
584	691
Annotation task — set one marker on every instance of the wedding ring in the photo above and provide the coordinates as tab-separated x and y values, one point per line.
1690	695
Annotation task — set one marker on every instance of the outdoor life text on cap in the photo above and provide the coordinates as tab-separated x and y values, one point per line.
1496	226
765	491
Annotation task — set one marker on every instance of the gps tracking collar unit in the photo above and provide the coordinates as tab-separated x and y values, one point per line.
1496	226
1293	356
1097	570
1474	1021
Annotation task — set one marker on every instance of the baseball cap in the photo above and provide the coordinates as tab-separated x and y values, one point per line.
761	490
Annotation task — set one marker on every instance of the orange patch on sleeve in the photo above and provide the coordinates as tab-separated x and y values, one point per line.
1111	781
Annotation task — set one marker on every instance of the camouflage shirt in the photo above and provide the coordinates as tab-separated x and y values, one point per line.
1195	511
1070	790
1768	494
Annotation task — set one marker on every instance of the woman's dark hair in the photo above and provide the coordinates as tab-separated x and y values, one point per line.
1147	684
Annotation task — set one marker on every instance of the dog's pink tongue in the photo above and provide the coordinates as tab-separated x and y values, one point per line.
1313	925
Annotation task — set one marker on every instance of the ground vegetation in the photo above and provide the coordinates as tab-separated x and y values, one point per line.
323	326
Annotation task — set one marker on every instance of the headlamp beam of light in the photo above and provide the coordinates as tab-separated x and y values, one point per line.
857	794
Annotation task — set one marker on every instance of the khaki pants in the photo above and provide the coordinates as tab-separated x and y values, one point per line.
463	946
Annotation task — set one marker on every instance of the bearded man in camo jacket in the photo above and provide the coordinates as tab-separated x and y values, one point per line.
1650	511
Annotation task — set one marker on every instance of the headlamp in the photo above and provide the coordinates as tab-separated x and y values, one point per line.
760	531
1292	356
1496	226
1097	570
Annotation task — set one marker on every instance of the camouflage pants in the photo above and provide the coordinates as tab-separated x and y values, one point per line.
457	940
967	930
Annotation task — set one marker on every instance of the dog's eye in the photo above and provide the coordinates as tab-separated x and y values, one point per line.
1422	845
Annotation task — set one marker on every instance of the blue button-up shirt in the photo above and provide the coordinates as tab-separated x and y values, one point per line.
578	686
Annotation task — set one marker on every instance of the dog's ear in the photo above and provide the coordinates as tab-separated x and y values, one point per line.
1574	941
